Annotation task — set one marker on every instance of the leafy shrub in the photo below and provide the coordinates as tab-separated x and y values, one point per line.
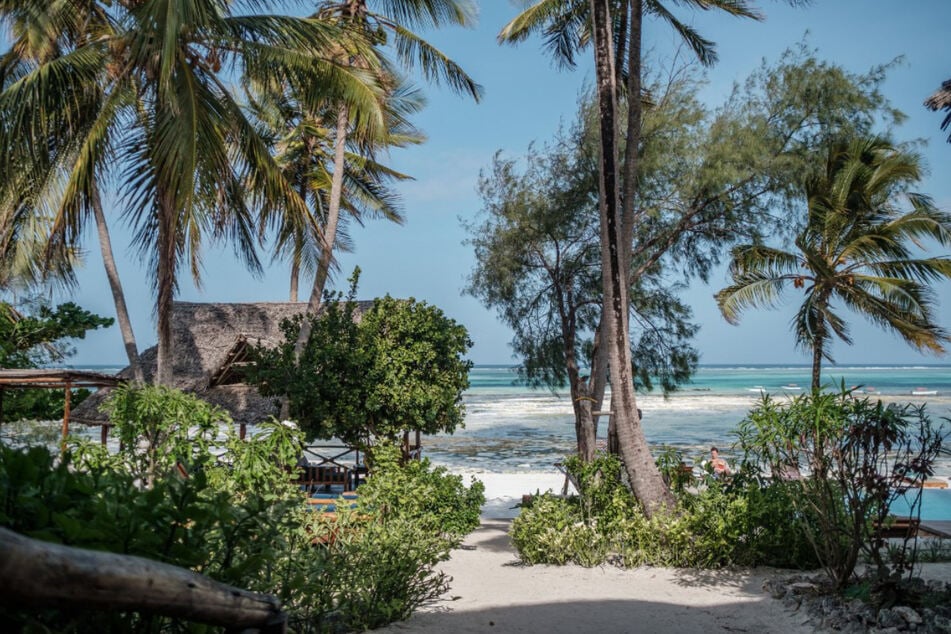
553	531
861	455
179	521
161	428
371	573
432	497
716	526
239	521
398	366
584	529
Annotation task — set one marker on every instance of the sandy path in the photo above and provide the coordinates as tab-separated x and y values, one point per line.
492	592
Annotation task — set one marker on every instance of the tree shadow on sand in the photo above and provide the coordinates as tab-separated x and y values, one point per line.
604	616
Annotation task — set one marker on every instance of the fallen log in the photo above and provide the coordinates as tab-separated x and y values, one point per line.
39	573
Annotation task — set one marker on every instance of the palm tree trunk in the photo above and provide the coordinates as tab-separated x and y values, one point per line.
329	233
633	137
295	276
817	363
112	273
646	482
298	242
166	288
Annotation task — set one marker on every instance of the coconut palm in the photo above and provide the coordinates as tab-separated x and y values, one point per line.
32	192
614	27
941	100
144	101
303	147
855	252
394	18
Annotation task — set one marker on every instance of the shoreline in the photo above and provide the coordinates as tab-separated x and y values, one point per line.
504	490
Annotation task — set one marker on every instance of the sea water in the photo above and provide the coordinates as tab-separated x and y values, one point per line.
510	427
513	428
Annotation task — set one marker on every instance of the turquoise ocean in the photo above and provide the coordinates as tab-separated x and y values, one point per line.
512	428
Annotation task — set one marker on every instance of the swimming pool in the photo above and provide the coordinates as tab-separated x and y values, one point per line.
935	504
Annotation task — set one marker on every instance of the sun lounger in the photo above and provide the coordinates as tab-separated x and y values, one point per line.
898	528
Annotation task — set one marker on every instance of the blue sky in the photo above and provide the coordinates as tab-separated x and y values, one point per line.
525	100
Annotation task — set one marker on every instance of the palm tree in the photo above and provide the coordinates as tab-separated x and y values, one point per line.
614	27
396	19
143	101
855	250
941	100
29	193
302	145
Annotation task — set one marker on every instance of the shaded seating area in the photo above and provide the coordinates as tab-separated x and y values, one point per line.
898	528
327	479
56	379
331	469
339	468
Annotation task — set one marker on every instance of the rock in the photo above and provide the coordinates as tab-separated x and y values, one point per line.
775	588
792	601
803	587
942	624
911	617
837	620
889	618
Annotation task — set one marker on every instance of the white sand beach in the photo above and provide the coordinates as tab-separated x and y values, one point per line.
491	591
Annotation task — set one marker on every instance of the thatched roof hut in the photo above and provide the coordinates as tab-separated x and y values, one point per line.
941	100
211	343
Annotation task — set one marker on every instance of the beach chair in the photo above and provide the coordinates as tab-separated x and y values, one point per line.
898	528
325	478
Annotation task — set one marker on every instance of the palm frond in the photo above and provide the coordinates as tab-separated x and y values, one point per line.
433	63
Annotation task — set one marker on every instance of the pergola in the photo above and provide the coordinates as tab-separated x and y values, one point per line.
54	379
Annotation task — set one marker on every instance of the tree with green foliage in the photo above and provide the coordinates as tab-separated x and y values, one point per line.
708	179
393	19
368	377
537	264
33	197
301	135
613	29
36	339
856	248
138	94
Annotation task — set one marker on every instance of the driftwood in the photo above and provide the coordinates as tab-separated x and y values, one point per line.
52	575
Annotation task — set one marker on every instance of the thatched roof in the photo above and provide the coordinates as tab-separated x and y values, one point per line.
210	343
941	100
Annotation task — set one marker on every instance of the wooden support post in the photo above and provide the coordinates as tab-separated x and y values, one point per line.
242	430
103	433
69	394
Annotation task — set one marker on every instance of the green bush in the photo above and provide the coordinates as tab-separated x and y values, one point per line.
239	521
432	497
372	572
553	531
361	377
585	529
860	454
713	527
161	429
179	521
